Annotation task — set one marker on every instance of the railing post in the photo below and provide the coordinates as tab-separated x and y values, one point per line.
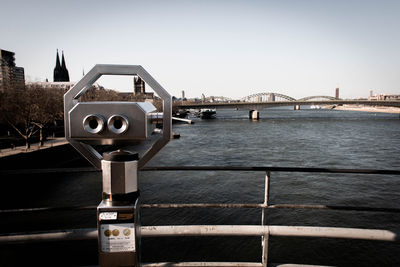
264	239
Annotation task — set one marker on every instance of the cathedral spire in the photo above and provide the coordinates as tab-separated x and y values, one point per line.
65	74
58	65
57	70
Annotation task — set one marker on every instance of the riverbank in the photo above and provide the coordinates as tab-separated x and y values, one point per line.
34	147
56	153
365	108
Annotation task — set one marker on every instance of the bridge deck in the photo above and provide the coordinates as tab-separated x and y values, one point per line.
258	105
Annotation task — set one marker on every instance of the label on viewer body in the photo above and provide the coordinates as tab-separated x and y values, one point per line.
117	237
108	215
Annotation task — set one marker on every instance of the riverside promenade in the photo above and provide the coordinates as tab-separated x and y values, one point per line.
379	109
53	142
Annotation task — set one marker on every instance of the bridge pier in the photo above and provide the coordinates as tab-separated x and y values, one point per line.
296	107
254	115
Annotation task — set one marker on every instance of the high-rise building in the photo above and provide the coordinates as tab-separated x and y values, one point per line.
337	93
60	71
11	77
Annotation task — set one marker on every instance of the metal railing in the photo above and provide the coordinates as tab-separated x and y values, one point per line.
262	230
265	231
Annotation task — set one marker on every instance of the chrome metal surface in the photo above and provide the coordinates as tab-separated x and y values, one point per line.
71	100
216	230
119	177
118	234
118	124
261	230
201	264
124	113
223	264
265	238
93	123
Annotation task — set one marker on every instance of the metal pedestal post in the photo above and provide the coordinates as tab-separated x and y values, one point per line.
118	221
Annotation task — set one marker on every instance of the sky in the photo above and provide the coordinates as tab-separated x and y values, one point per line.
217	48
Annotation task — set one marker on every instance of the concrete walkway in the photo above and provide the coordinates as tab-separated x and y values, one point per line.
34	147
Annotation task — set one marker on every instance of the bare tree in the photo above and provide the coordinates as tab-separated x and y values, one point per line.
28	110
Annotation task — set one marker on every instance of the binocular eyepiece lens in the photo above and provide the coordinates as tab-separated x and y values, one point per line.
118	124
93	123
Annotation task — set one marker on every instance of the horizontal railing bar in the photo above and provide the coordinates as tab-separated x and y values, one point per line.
208	168
69	208
224	264
212	230
294	265
260	230
202	264
333	207
277	206
60	235
48	171
200	205
213	205
270	169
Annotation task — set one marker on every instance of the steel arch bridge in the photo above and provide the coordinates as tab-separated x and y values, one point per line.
271	97
266	97
318	97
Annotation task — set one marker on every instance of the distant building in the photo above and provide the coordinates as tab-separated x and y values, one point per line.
11	77
337	93
58	85
139	85
139	89
60	71
384	97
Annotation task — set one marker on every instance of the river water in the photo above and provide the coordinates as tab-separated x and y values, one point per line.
281	138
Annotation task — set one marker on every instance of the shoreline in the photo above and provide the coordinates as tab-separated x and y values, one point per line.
5	152
380	109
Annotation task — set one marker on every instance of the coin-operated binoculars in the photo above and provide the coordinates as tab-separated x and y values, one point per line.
127	127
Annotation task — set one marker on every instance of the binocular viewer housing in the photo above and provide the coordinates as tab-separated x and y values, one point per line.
114	123
127	125
110	123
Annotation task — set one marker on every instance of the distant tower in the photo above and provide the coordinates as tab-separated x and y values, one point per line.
65	74
183	94
371	93
57	70
139	86
60	71
337	93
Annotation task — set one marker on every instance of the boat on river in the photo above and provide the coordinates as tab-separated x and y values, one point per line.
207	113
315	107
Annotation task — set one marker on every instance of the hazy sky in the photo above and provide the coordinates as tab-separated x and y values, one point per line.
231	48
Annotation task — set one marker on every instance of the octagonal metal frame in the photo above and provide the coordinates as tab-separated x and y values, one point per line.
71	99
